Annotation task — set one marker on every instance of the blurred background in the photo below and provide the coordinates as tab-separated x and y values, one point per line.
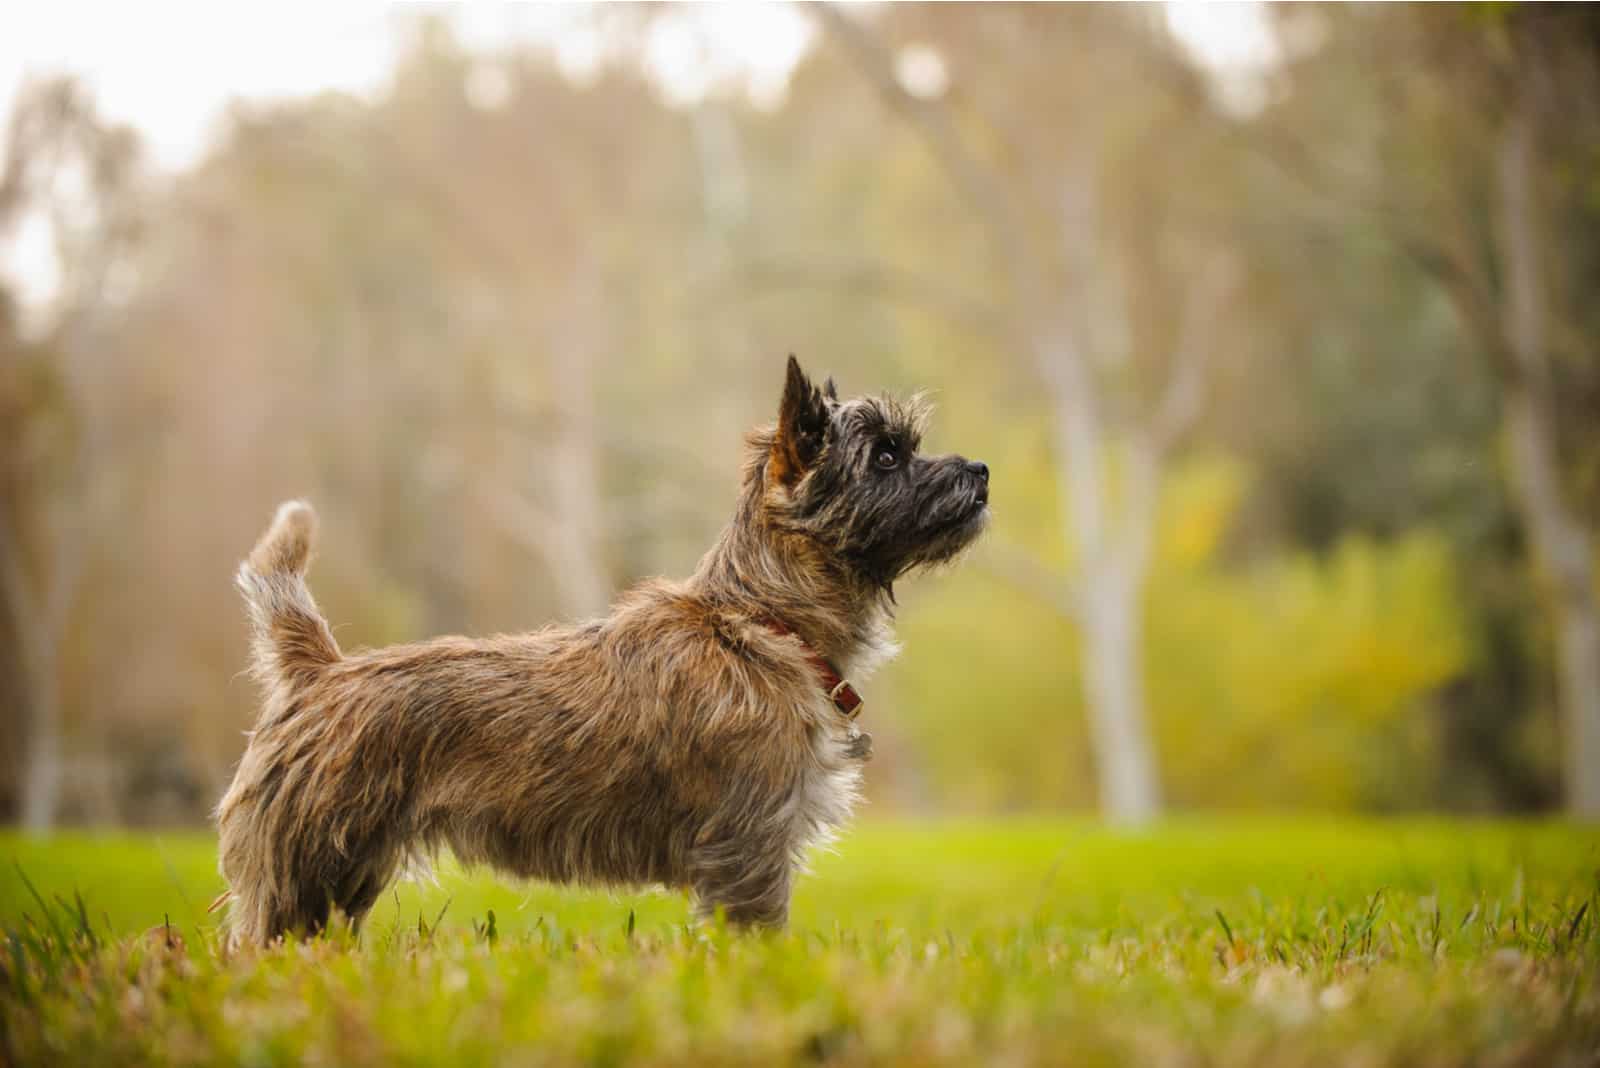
1277	326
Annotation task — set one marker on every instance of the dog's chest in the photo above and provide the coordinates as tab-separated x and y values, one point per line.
830	786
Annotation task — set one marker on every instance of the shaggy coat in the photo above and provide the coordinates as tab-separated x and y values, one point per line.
682	740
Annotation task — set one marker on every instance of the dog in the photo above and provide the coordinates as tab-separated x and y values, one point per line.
702	736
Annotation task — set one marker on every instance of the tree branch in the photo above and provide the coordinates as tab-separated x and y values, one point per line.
1465	287
1028	574
975	182
1184	395
1469	296
1180	405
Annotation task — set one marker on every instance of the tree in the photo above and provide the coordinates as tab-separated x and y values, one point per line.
77	174
1117	289
1479	172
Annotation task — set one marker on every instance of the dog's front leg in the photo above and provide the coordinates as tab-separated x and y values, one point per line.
748	881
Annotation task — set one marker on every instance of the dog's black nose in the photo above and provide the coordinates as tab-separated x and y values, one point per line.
979	468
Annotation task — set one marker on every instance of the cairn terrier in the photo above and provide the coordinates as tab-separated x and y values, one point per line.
701	736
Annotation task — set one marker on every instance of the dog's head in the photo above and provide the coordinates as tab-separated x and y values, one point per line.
849	475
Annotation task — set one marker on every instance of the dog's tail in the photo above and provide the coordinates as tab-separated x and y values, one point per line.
290	641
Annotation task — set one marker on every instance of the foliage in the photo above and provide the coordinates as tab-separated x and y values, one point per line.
509	348
1297	680
1235	942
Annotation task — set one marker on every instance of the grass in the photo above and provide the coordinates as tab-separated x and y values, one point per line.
1204	942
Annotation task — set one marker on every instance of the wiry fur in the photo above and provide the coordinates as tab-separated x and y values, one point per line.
679	740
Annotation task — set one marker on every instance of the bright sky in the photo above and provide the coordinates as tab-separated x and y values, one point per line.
169	68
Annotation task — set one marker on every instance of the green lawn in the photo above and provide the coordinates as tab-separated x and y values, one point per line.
1215	941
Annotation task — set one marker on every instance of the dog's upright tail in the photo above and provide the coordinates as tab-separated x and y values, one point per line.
290	641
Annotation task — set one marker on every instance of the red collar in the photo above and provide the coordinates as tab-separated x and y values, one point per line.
841	693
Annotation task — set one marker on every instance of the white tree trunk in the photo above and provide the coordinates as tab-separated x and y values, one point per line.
1110	589
1114	685
1111	535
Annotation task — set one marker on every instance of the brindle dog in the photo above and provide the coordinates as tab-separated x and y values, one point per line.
700	736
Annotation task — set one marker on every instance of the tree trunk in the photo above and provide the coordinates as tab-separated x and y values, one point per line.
1580	690
1109	604
34	621
41	773
1109	540
1563	546
1559	536
1114	686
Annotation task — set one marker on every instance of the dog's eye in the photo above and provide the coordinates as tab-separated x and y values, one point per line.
886	459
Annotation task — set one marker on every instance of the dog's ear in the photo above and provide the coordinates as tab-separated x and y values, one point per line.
802	426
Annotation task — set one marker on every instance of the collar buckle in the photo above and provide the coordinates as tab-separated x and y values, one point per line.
845	699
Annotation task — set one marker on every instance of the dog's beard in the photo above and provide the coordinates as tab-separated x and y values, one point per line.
953	533
948	525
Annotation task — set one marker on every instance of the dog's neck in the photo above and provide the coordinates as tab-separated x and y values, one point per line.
764	572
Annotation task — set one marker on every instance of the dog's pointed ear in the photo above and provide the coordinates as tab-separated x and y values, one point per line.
802	426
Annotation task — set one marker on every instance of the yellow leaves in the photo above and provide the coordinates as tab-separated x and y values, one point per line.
1200	503
1372	626
1305	671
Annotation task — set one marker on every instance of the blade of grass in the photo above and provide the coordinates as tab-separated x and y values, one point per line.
44	906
